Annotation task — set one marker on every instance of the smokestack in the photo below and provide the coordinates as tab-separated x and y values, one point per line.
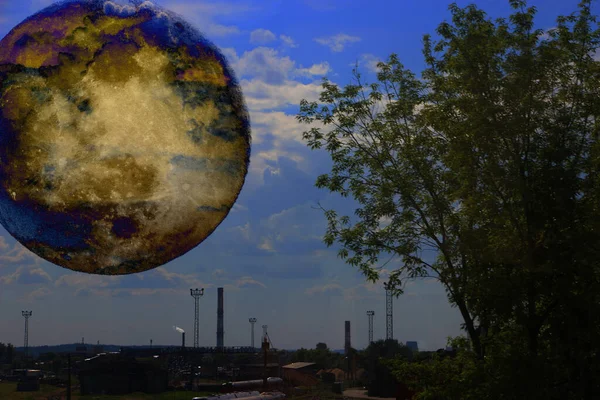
347	348
183	340
220	317
347	338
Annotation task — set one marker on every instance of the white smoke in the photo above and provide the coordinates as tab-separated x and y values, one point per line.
178	329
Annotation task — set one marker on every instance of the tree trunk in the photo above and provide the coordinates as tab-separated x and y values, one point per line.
473	334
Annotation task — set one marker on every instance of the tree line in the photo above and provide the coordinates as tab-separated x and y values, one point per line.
491	161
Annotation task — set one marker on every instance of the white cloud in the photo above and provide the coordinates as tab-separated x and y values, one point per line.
146	291
38	293
157	280
26	276
288	41
231	55
238	207
271	86
18	254
546	33
364	291
261	96
204	15
108	292
267	66
220	8
263	63
3	244
337	42
81	280
332	288
247	281
316	69
369	61
266	244
296	223
281	125
218	274
262	36
285	129
244	230
121	10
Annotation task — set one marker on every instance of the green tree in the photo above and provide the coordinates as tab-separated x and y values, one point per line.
492	161
321	355
321	346
300	355
440	376
375	359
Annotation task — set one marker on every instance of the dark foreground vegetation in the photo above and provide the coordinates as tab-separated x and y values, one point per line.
492	161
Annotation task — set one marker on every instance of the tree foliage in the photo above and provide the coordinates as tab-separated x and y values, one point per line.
381	381
320	355
491	162
7	352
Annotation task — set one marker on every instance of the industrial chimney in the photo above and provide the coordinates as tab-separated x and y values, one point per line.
347	347
183	340
220	317
347	338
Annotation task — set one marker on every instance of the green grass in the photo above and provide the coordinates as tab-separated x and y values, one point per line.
144	396
8	391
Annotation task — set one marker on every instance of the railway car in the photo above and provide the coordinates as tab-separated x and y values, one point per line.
273	384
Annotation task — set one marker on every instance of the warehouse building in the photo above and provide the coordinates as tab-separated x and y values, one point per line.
301	374
114	374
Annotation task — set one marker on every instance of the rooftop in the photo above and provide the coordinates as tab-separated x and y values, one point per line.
298	365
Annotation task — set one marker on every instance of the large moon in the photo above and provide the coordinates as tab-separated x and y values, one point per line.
124	138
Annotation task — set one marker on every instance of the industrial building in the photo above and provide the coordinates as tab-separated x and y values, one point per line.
115	374
413	346
257	370
301	374
338	374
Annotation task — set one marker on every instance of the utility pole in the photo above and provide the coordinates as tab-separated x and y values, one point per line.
370	314
252	322
389	322
196	294
26	314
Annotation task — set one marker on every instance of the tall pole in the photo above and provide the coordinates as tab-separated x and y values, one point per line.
196	294
370	314
389	322
252	322
26	314
220	332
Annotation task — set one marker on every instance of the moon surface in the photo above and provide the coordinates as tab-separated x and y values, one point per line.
124	137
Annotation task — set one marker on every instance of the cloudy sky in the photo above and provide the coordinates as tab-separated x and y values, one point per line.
268	253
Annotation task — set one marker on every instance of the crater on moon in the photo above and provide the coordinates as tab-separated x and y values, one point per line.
124	138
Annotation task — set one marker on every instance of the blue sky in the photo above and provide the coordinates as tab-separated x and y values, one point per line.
268	253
